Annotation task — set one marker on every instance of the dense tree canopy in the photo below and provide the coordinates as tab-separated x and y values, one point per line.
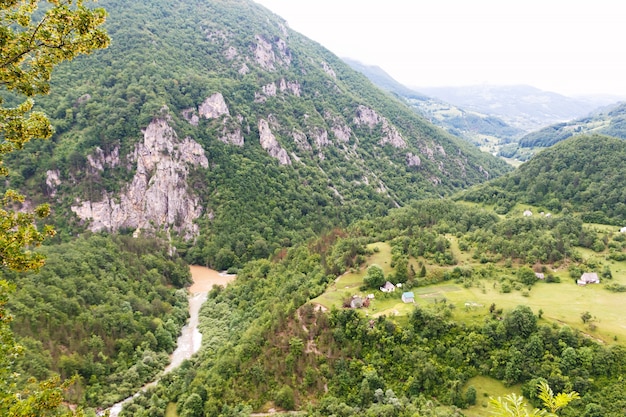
580	175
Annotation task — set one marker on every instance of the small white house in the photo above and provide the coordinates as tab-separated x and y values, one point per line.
388	287
588	278
623	230
527	213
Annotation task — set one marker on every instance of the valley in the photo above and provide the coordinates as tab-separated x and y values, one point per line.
377	262
512	122
190	340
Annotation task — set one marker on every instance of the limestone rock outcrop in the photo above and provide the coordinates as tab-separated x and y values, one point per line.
328	69
98	160
158	196
271	145
413	160
390	135
53	180
213	107
265	56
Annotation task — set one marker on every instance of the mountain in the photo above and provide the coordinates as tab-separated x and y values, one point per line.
241	138
382	79
483	130
583	174
609	121
521	106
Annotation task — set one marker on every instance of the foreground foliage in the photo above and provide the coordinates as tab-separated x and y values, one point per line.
32	44
514	405
30	49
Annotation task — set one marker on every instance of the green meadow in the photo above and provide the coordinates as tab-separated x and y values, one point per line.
561	303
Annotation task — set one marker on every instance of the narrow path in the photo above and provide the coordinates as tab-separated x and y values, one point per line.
190	339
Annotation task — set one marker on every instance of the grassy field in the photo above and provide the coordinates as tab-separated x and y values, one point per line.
170	411
485	388
563	302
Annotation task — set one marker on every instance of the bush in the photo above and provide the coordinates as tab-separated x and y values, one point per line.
192	406
470	395
285	398
375	277
552	278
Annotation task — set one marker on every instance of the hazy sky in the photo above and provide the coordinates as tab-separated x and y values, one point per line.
567	46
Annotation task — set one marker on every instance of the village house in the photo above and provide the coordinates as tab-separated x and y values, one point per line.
408	297
623	230
588	278
528	213
388	287
356	302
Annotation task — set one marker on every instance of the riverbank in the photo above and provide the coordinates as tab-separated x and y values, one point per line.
190	339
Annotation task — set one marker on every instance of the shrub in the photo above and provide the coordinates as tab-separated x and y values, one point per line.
285	398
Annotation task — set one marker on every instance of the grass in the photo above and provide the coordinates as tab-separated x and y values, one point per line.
562	303
170	411
349	284
485	388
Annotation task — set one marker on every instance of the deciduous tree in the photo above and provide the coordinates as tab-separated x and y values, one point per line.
375	277
29	50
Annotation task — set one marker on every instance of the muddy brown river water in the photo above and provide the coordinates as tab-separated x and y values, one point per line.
190	339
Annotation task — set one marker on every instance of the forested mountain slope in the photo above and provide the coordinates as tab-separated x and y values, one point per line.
479	128
583	174
611	122
213	119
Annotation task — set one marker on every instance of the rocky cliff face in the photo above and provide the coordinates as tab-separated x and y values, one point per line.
252	96
271	145
158	195
390	135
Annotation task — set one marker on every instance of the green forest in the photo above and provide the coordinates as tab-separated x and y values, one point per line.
568	177
354	193
105	308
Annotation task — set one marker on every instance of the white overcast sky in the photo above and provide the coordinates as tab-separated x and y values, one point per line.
567	46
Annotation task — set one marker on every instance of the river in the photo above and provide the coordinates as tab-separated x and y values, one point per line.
190	339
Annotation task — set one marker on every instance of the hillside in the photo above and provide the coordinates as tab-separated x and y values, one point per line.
483	130
524	107
481	321
610	121
583	174
242	137
107	309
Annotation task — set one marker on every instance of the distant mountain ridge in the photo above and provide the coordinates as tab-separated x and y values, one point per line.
525	107
478	128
